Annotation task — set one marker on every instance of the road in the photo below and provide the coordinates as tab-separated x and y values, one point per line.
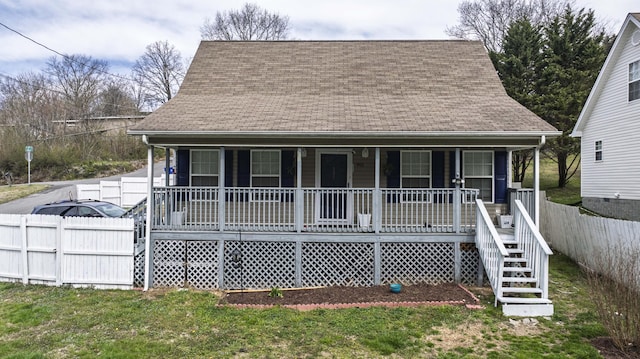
63	190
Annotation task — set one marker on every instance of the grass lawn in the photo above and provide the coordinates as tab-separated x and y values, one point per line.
43	322
549	183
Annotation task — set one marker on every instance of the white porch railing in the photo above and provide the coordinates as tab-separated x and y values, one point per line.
491	249
534	247
340	210
525	195
432	210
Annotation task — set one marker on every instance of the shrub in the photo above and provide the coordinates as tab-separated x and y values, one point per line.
614	283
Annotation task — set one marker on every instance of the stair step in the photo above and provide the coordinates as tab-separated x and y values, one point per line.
528	310
514	251
515	260
517	300
518	280
521	290
516	269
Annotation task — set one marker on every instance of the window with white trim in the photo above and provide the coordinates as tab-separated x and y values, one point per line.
634	80
415	172
265	168
204	168
598	150
477	168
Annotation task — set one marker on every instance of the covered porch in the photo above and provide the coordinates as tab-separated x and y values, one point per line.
390	191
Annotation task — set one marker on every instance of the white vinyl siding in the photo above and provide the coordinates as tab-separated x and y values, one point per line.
204	168
477	169
615	121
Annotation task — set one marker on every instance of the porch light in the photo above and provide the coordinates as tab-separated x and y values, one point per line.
365	153
304	152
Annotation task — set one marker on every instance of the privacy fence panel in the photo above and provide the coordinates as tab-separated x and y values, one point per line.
589	240
77	251
11	261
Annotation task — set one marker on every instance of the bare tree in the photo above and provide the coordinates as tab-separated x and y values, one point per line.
159	72
489	20
249	23
80	78
117	99
28	107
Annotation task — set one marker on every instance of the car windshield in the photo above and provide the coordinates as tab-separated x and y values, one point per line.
110	210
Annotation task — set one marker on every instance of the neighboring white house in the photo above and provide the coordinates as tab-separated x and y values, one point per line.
609	127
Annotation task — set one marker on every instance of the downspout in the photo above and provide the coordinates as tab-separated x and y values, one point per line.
536	182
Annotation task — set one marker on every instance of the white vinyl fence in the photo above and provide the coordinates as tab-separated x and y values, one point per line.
589	240
78	251
125	193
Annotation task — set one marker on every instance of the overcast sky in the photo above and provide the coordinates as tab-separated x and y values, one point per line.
118	31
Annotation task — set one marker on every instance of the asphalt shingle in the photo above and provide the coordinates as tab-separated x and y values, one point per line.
363	86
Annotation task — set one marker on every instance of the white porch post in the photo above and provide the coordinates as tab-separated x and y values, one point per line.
221	191
536	186
457	197
167	165
377	196
299	210
148	275
509	168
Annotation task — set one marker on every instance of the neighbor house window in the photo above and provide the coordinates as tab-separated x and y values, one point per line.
477	167
265	168
415	172
598	150
204	167
634	80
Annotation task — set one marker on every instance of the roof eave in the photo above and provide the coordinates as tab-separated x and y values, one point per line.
347	134
586	109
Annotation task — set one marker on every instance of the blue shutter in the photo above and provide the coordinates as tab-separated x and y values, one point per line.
244	172
228	168
392	170
500	176
288	168
437	169
244	168
182	162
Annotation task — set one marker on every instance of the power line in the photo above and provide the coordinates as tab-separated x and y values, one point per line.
43	88
70	58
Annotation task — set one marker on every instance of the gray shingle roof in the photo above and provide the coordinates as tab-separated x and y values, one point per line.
356	86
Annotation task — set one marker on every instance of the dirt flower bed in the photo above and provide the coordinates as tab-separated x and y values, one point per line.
342	297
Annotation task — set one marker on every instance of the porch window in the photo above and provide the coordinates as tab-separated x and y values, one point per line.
598	152
204	168
265	168
477	167
634	80
415	172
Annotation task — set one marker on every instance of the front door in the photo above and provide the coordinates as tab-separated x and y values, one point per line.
334	178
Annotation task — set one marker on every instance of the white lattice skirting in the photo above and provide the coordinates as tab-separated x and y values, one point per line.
209	264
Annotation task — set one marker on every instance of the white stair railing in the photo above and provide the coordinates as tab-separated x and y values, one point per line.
491	249
534	247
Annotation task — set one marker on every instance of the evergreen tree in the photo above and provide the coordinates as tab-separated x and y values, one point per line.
517	67
573	54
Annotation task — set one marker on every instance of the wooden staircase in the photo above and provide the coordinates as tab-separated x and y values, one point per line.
516	261
520	293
